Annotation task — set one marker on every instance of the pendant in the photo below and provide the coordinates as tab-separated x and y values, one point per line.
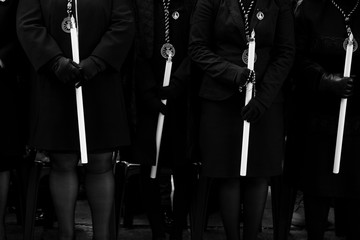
167	50
260	15
66	24
175	15
355	44
245	55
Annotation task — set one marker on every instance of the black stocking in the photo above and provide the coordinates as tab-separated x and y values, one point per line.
4	189
255	193
100	186
63	183
316	215
229	192
182	197
350	218
152	204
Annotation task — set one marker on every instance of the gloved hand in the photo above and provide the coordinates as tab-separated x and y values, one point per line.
173	91
90	67
66	70
242	77
253	111
336	84
156	105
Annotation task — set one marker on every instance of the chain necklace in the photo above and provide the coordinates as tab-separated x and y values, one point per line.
347	23
66	23
167	49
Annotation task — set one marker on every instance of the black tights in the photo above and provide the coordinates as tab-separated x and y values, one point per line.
99	183
254	199
316	215
181	203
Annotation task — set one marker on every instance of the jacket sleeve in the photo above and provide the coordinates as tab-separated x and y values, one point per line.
39	46
118	38
283	53
200	42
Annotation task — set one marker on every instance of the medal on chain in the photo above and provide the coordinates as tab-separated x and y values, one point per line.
347	24
66	23
246	14
167	49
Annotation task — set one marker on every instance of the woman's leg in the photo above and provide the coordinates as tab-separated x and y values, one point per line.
351	213
316	215
229	193
255	193
100	186
63	182
4	189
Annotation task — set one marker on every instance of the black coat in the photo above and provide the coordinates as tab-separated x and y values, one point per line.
320	33
149	73
106	30
13	87
217	42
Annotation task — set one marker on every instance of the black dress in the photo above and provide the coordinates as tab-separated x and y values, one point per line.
313	128
106	30
217	42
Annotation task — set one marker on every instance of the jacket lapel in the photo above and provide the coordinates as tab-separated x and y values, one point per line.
234	10
257	14
145	15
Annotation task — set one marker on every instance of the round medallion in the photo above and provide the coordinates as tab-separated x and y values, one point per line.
167	50
260	15
66	24
245	55
175	15
355	44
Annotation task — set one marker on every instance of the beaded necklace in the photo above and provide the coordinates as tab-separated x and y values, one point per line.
347	23
246	13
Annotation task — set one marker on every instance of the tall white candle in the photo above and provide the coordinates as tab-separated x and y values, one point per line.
160	122
78	93
248	96
343	104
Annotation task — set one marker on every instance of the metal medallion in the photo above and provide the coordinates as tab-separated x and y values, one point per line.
245	56
167	50
260	15
355	44
66	24
175	15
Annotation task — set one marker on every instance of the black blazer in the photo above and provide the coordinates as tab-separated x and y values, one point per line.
217	42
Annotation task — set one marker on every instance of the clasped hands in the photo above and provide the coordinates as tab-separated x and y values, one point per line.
69	72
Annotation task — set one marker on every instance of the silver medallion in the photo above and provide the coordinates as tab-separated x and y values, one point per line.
355	44
260	15
245	56
167	50
175	15
66	24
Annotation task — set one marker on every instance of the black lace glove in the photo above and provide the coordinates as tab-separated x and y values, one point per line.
336	84
242	78
90	67
66	70
253	111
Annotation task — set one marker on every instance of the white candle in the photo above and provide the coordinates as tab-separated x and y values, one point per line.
78	92
160	123
248	96
343	104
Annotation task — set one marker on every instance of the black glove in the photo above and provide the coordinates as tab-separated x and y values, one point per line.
336	84
90	67
173	91
66	70
253	111
242	77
